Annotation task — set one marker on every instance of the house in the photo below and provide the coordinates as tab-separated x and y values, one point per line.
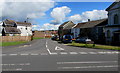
112	30
76	30
1	28
91	29
9	28
25	28
13	28
65	28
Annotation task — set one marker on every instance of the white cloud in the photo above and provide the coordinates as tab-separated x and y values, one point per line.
21	10
35	27
75	18
59	14
48	26
92	15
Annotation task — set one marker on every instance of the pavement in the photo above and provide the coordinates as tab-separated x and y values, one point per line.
48	55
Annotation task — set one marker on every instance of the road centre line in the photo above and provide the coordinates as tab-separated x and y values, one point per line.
87	62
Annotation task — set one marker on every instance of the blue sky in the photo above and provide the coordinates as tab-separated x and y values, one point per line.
76	8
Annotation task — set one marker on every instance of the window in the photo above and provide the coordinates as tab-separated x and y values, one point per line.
26	27
108	34
116	19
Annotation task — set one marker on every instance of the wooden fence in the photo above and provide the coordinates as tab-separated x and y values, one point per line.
15	38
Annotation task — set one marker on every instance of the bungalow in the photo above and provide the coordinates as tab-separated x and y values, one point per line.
65	28
112	30
91	29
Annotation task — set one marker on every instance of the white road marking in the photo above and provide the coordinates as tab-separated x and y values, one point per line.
73	53
49	50
34	54
17	69
107	66
13	54
83	52
63	53
3	54
87	62
92	52
58	48
24	54
21	64
108	52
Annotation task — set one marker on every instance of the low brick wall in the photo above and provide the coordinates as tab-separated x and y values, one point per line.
15	38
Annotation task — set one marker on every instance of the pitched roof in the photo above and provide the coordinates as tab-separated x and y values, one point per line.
79	25
67	25
23	24
91	24
114	3
12	30
63	24
7	21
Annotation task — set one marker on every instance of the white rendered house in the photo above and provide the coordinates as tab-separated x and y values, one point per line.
25	28
112	30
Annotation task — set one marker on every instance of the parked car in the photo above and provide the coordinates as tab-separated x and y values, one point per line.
54	38
67	39
84	40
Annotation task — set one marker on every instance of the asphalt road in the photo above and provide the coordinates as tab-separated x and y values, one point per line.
48	55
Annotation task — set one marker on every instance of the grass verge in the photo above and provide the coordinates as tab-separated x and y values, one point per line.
95	46
34	38
11	43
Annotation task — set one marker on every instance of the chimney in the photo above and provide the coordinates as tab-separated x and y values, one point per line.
88	20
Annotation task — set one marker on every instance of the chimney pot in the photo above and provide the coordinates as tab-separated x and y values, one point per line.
88	20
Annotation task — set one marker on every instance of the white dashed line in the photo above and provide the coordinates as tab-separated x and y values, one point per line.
24	54
21	64
88	67
73	53
17	69
88	62
63	53
92	52
13	54
34	54
83	52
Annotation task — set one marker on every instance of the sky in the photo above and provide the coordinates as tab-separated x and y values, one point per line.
49	15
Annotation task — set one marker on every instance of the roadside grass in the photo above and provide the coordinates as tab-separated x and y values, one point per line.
35	38
11	43
95	46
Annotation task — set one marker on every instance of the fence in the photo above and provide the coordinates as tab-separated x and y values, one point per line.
15	38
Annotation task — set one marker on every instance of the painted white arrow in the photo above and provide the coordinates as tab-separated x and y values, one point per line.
58	48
